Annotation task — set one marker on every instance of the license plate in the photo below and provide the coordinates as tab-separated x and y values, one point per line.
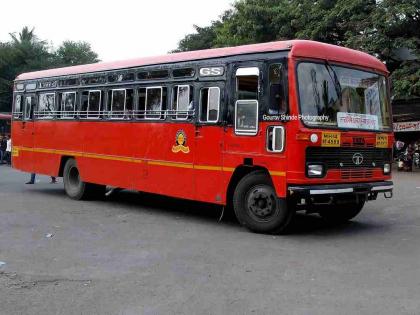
331	139
381	141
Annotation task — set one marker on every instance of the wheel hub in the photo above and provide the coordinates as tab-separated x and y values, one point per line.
261	202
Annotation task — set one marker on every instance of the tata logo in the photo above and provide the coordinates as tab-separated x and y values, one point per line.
211	72
357	158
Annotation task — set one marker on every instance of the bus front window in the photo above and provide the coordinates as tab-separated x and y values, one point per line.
340	97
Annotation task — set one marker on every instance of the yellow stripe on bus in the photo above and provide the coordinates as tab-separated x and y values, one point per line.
275	173
136	160
171	164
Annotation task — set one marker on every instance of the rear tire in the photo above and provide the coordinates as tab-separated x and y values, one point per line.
77	189
257	206
342	213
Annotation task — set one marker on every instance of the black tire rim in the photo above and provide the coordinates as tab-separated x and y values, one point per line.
74	177
261	203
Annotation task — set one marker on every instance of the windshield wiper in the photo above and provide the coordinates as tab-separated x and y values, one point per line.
334	78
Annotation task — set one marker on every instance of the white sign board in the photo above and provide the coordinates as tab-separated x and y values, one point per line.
357	121
407	126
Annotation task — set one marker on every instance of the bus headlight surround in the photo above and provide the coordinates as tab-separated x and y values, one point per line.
387	168
314	138
315	170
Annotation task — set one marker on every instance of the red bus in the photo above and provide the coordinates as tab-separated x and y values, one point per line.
268	129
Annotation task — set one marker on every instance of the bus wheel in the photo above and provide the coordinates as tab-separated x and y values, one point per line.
343	212
257	207
77	189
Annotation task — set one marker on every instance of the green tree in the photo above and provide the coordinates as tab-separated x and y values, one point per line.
26	52
203	38
75	53
380	28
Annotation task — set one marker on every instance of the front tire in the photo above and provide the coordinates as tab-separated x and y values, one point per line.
257	206
77	189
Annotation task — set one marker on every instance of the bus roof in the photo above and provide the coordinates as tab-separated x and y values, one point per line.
298	48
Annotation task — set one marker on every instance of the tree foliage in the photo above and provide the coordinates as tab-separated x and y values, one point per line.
26	52
379	27
72	53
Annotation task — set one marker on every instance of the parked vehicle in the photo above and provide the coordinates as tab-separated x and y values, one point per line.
267	129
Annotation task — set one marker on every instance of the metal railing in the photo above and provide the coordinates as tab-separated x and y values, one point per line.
114	115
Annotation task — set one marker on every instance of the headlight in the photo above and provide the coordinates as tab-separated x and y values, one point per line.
387	168
315	170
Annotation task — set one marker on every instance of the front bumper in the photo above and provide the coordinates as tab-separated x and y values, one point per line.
368	189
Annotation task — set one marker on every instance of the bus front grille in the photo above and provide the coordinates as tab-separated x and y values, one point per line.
357	173
353	162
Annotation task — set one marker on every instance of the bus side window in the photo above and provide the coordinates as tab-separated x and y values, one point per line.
84	104
277	100
129	103
209	104
46	106
152	102
246	106
155	102
116	103
182	102
17	113
141	103
247	84
120	103
90	106
68	105
29	107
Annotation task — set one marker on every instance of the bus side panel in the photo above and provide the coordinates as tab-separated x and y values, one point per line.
22	157
208	160
107	153
45	143
251	151
169	165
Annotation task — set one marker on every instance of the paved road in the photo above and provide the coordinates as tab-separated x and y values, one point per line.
144	254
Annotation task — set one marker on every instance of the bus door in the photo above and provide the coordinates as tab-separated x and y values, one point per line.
208	171
26	138
243	112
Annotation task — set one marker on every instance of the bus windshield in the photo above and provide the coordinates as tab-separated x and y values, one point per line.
339	97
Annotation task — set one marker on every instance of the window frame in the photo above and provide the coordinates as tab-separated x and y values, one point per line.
351	67
110	112
175	77
32	96
246	132
18	115
208	101
175	117
243	73
88	105
284	82
41	115
161	103
74	105
244	70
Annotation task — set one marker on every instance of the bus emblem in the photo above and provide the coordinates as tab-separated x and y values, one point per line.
180	141
357	158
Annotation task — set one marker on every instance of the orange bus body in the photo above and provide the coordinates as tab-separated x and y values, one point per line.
145	155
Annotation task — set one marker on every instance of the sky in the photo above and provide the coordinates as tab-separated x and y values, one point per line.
116	30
